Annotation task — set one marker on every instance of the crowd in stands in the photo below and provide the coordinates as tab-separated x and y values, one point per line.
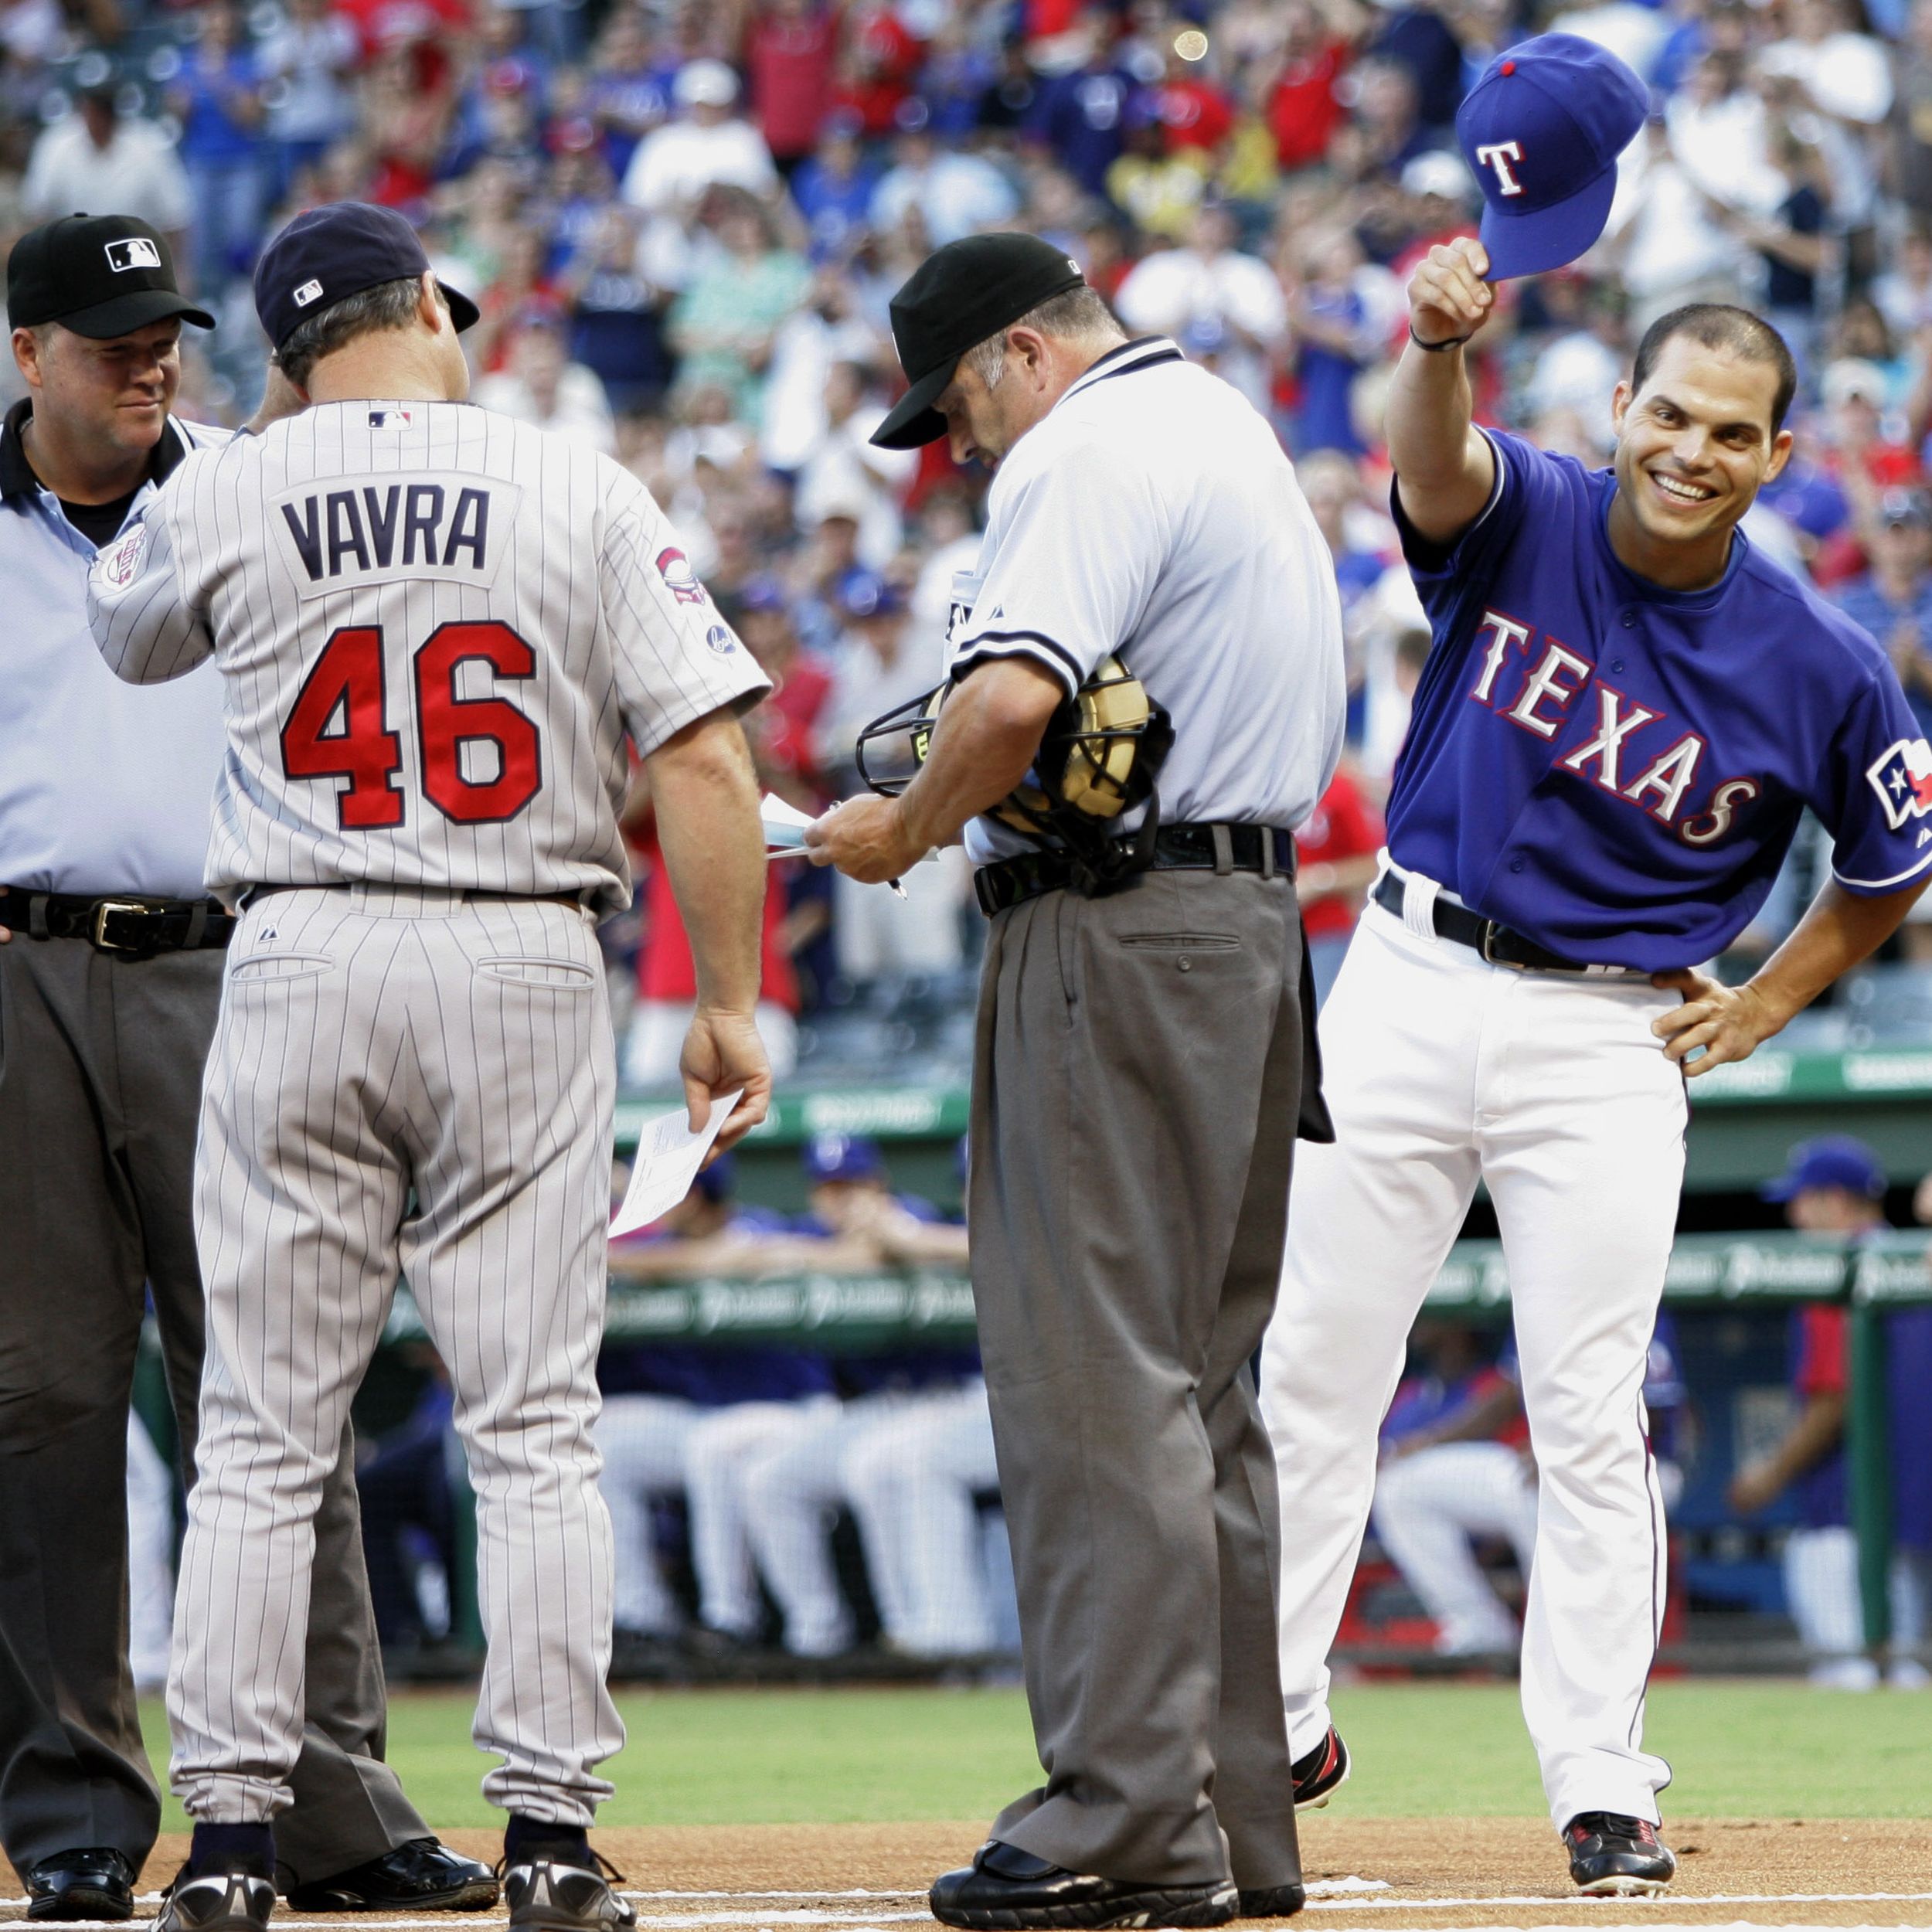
683	220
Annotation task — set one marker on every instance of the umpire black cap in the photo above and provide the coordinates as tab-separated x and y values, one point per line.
952	301
327	254
100	275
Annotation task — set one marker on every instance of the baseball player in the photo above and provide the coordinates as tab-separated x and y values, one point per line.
436	628
1625	710
1140	1061
111	972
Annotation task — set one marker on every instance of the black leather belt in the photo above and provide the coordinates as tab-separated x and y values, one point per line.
1496	943
134	928
1262	848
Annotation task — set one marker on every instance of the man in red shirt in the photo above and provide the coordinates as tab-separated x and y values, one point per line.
1337	849
789	52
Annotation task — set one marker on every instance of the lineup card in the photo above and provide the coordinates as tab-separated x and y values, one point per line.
668	1157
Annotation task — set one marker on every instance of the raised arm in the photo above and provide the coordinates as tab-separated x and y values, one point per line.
1444	467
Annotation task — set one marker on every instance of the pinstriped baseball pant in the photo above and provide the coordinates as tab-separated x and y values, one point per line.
402	1084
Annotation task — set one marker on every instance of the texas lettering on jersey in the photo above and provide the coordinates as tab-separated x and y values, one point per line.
1533	681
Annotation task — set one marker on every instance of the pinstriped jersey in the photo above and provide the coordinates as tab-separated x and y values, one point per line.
436	627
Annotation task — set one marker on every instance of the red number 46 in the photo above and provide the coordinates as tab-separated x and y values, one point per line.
338	727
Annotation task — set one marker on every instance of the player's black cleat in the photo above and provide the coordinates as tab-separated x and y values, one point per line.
421	1876
216	1902
95	1883
547	1895
1005	1890
1317	1775
1612	1855
1274	1902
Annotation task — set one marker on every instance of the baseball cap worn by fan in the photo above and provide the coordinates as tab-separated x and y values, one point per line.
101	276
1832	1160
1541	130
951	302
327	254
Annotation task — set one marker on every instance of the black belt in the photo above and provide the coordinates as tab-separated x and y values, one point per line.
136	928
1262	848
1497	944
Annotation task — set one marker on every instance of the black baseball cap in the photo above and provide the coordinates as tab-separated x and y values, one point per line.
100	275
327	254
952	301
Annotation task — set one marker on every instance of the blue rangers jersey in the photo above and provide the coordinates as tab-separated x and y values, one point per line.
1616	769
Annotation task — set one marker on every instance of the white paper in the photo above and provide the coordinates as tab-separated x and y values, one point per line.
666	1163
784	826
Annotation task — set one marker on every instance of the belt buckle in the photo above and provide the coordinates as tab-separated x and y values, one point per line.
1487	949
97	937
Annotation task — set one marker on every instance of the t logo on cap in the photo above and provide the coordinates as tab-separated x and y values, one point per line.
136	252
1498	154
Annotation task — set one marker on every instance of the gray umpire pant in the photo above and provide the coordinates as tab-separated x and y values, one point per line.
1138	1085
100	1067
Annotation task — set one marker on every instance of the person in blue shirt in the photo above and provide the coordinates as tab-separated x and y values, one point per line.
833	189
1624	712
1082	116
219	100
1893	599
1834	1186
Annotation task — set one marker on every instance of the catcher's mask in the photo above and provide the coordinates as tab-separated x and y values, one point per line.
1098	758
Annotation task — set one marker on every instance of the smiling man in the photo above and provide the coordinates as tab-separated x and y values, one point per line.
1624	712
111	969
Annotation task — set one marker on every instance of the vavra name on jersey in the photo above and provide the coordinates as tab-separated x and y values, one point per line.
371	530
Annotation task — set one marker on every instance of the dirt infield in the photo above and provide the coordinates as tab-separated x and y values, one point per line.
1365	1875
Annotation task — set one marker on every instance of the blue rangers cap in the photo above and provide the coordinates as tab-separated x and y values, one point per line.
327	254
1541	130
1832	1160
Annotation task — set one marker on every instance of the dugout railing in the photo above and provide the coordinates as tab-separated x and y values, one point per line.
851	1314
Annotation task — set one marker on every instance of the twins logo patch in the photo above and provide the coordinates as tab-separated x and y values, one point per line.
720	639
120	562
136	252
1903	779
679	578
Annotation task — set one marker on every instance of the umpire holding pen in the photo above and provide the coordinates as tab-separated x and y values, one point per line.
111	966
1144	1056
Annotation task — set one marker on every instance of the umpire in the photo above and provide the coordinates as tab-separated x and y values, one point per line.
1144	1053
111	969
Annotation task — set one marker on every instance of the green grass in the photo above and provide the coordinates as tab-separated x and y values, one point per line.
1744	1748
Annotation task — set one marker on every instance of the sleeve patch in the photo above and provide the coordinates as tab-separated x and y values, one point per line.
1901	777
120	563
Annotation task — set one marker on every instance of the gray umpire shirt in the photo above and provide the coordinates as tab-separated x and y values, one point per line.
105	787
1153	514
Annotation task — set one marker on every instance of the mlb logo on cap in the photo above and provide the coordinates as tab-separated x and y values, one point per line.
136	252
309	293
1541	131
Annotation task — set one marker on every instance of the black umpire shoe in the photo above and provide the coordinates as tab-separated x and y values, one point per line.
549	1895
420	1875
1005	1890
1317	1775
216	1902
95	1883
1611	1854
1274	1902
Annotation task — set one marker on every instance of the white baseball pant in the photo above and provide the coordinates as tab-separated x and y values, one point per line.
791	1494
911	1478
722	1450
373	1041
1442	1070
1427	1507
641	1439
1821	1592
151	1558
